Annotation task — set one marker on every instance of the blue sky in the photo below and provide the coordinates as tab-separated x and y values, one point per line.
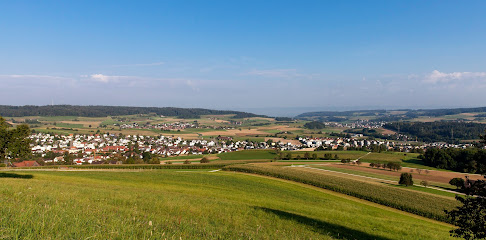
244	54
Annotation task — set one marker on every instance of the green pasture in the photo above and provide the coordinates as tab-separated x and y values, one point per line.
170	204
248	154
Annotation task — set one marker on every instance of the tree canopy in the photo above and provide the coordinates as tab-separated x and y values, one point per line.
14	143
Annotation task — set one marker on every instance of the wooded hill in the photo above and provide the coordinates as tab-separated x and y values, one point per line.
104	111
387	115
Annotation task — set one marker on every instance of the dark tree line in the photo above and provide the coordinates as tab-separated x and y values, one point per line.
462	160
104	111
385	115
442	131
314	125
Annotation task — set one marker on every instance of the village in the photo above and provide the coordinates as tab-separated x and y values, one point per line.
112	149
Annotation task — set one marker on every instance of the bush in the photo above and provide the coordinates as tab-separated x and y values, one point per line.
204	160
187	161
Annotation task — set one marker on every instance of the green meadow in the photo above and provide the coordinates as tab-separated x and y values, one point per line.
175	204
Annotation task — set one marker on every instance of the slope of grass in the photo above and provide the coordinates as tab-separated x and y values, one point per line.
414	202
191	205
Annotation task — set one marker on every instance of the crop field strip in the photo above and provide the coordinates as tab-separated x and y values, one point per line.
387	179
414	202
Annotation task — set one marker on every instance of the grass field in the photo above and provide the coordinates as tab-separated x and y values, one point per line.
341	154
415	202
169	204
248	154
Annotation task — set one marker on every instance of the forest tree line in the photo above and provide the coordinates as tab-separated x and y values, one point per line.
104	111
440	131
471	160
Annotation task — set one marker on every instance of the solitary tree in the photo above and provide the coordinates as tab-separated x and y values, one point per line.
458	182
424	183
314	156
307	155
406	179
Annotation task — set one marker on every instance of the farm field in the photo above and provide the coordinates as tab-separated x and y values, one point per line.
172	204
254	128
433	176
386	179
424	204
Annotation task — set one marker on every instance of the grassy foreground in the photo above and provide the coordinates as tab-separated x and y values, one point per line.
170	204
414	202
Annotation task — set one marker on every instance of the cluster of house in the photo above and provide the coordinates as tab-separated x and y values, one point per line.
161	126
358	124
356	141
100	148
344	143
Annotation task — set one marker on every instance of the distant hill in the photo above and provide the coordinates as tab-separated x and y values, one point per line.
104	111
388	115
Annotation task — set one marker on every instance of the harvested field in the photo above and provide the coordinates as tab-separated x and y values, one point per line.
94	124
386	131
235	132
433	176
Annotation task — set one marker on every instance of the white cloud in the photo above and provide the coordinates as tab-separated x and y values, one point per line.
105	78
440	77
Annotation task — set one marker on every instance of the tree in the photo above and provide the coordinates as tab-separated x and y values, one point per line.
424	183
187	161
307	155
406	179
14	143
458	182
314	156
471	216
146	156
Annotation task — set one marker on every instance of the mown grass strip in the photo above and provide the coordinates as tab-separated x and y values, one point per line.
425	205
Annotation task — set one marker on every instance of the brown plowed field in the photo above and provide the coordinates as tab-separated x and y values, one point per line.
434	176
